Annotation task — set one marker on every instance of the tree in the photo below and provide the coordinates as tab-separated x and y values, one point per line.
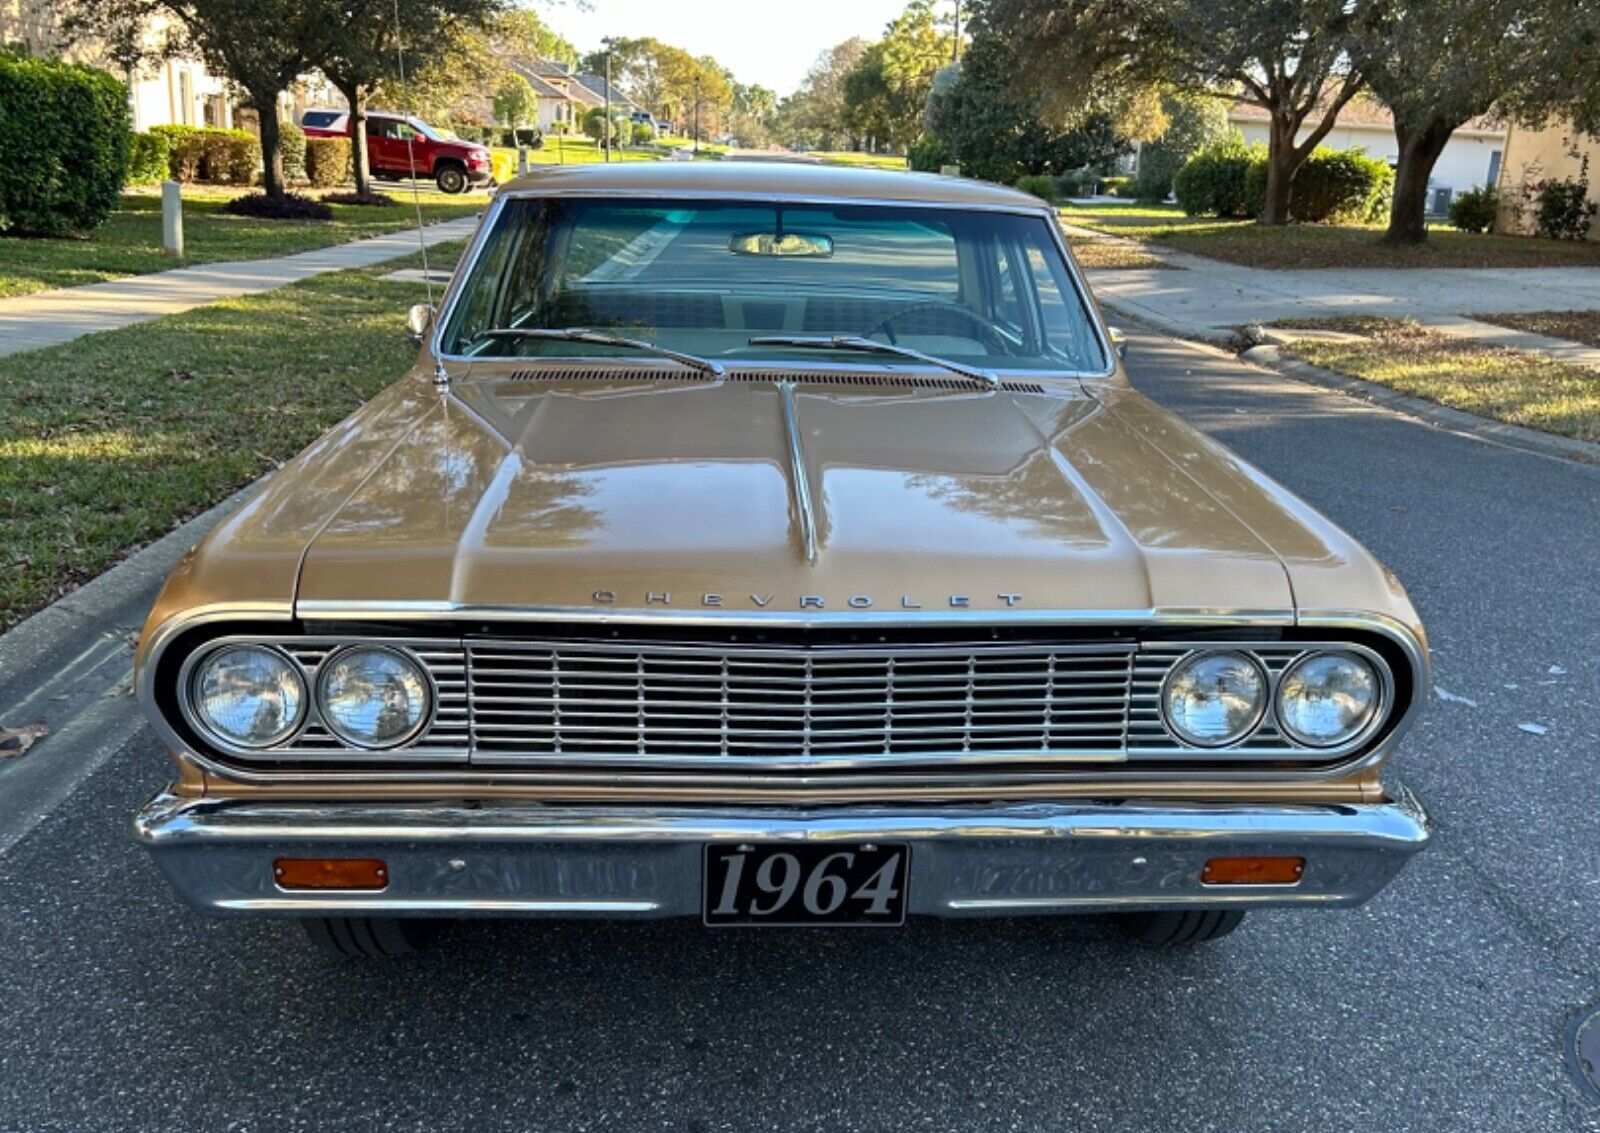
376	35
814	116
1192	121
1288	57
260	45
599	127
514	100
1524	59
519	33
998	133
887	89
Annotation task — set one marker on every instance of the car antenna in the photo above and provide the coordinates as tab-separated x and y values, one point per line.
441	376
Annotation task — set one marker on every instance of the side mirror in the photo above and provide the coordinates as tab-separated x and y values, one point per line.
1119	341
419	320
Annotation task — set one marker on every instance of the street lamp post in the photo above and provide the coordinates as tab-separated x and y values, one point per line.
697	116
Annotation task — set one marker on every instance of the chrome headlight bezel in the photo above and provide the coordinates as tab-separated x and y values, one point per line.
1376	712
1222	650
190	702
424	719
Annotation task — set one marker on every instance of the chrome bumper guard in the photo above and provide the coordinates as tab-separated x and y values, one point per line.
527	859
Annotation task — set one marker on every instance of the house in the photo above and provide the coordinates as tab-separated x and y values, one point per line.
173	92
1473	157
1535	154
562	99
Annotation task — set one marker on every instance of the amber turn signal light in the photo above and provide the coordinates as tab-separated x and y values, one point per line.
330	873
1253	871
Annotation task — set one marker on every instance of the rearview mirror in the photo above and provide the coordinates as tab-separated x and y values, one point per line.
418	321
780	244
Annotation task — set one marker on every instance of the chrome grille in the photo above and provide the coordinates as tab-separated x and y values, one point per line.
534	701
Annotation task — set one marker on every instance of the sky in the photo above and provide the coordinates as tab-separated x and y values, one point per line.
759	41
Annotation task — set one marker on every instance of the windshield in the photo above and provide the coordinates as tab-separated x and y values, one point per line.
988	289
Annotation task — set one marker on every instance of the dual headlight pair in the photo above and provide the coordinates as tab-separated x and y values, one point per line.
1323	699
256	697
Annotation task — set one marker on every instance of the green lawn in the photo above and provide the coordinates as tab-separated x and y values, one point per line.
870	160
1323	245
130	242
559	150
111	441
1504	385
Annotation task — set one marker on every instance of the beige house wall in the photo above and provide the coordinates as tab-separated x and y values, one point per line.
1536	154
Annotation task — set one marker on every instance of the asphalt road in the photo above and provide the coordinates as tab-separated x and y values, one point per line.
1440	1005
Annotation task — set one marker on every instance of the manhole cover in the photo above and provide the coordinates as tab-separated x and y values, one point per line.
1583	1052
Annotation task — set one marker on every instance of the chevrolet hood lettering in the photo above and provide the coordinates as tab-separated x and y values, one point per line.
678	495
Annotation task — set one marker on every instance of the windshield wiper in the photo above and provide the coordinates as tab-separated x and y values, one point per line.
599	338
873	346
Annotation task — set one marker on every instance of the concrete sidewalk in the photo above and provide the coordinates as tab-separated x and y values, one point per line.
49	318
1210	297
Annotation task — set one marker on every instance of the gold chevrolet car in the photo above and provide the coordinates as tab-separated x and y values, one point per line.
774	545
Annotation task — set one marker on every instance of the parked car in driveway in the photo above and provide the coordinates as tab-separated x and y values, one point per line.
775	545
402	146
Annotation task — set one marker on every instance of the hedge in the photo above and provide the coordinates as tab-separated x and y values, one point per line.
65	143
1040	185
1229	179
328	162
149	158
215	156
292	145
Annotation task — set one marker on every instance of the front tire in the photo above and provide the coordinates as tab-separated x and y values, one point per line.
1177	928
367	937
451	179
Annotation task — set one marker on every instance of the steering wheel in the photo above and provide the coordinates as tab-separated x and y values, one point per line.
988	334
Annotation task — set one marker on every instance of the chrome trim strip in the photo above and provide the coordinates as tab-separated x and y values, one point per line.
469	259
799	477
316	609
966	860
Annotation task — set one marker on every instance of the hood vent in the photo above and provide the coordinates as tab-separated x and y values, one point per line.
875	379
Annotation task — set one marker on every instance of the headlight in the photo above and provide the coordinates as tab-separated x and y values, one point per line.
1325	699
249	695
373	697
1214	699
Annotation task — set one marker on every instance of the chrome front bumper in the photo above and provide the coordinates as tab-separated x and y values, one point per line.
525	859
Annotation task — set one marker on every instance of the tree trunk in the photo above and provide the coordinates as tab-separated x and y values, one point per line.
1281	167
271	145
361	167
1420	147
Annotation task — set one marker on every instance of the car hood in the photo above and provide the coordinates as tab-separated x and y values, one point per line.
684	496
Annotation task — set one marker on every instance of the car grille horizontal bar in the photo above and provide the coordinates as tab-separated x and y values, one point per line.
533	701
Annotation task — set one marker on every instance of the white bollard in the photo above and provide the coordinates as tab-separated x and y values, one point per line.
172	218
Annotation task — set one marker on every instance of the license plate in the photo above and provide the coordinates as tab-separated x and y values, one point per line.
806	884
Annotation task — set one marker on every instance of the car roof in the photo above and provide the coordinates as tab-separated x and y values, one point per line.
765	179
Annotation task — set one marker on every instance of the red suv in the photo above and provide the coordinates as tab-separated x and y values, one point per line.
399	146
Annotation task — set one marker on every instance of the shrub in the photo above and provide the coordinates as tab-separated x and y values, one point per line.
1118	186
928	154
1192	122
643	135
1041	185
1562	208
328	162
148	157
66	141
289	206
1339	186
381	200
292	145
1475	209
1076	183
215	156
1217	181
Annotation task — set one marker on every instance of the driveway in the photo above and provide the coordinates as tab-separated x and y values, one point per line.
1439	1006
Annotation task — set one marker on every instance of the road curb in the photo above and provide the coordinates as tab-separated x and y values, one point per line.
1152	320
1456	420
